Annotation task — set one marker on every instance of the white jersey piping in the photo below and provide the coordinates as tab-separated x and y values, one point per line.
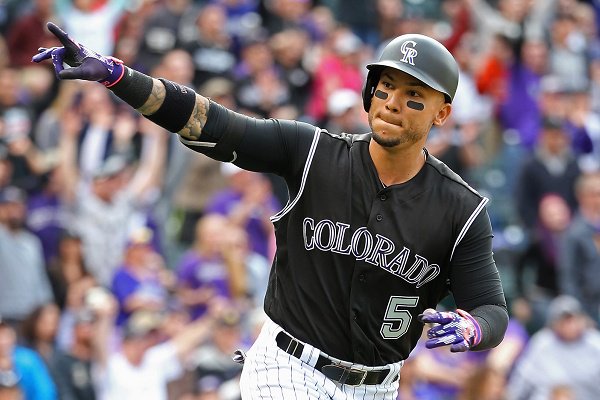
468	224
309	159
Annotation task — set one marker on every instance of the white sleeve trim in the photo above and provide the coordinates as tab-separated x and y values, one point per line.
196	143
309	159
468	224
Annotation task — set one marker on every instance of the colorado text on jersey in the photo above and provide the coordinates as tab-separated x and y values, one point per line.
326	235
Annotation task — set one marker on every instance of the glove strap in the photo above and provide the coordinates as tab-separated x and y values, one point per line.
476	339
116	72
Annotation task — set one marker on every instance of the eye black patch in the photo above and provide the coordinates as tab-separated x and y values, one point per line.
381	95
415	106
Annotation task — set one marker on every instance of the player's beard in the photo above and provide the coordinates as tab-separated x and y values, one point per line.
410	135
389	142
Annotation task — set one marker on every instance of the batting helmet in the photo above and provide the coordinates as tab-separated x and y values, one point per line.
420	56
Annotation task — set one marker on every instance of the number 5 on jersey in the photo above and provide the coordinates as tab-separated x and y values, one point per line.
396	313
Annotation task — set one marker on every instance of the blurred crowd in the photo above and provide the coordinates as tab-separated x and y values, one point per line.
133	268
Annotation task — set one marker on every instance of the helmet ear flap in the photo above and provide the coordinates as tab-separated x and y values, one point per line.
369	87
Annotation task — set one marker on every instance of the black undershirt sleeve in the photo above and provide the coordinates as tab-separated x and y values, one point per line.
475	282
493	321
265	145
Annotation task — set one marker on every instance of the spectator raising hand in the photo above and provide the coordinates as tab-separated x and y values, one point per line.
124	129
107	201
248	202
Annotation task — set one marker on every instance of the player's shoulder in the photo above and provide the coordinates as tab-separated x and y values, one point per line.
450	178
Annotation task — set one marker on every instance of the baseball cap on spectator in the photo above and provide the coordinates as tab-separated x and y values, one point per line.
228	318
111	167
347	43
341	101
553	84
141	236
563	306
69	234
84	316
578	85
258	35
97	297
12	194
142	323
552	123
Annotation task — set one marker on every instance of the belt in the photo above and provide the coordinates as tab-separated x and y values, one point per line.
329	367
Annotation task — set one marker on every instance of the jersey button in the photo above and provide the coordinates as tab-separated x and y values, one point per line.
362	277
383	197
379	217
354	316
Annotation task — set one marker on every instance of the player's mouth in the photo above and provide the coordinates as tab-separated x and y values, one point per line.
390	120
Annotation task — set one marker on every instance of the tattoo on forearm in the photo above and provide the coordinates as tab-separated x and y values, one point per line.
193	128
155	100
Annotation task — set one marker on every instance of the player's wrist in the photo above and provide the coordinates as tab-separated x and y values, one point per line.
116	71
475	329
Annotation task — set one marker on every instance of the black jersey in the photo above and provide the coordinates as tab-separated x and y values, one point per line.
356	261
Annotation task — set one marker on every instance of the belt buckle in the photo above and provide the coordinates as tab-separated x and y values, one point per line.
362	379
346	371
293	342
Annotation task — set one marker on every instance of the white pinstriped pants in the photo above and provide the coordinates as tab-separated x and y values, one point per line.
271	373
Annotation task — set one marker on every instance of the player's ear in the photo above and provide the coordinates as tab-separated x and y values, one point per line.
443	114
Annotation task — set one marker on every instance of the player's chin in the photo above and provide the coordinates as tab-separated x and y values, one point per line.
385	140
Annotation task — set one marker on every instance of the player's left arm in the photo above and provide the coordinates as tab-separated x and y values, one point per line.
481	319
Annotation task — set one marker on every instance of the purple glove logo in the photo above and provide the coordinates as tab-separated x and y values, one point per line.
85	64
458	329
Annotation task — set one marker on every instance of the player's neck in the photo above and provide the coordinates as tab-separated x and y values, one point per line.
397	167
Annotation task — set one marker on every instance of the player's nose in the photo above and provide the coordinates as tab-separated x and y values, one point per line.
392	104
392	108
393	101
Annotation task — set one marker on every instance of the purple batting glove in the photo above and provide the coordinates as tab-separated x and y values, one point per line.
458	329
85	64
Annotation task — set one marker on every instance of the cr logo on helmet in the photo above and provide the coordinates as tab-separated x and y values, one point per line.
409	52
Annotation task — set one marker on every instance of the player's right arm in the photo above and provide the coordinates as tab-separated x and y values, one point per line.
275	146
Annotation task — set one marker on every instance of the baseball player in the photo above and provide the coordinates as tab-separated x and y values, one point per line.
376	231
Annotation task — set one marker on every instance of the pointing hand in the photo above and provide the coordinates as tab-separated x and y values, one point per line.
85	63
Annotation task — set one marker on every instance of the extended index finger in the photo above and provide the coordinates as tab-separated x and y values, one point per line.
64	38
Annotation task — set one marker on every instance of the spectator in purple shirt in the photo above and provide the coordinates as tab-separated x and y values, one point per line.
142	282
201	273
248	202
521	110
46	217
